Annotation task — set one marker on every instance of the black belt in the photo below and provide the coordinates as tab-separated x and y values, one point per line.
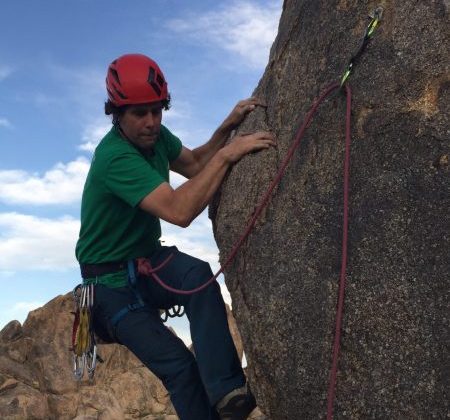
93	270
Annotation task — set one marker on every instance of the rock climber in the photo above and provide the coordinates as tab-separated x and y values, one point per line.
126	193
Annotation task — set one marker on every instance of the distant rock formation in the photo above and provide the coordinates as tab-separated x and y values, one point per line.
36	379
284	281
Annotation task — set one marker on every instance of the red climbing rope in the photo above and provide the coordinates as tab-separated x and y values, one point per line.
341	295
146	268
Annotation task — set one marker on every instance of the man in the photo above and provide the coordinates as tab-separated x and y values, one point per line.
127	191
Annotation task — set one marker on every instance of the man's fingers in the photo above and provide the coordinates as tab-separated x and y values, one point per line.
262	139
268	140
264	144
259	135
251	103
264	135
243	144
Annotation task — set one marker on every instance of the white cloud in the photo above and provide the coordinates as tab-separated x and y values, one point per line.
93	133
26	306
176	179
63	184
226	294
5	123
242	27
18	311
196	240
33	243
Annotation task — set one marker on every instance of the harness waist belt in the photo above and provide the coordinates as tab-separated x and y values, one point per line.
94	270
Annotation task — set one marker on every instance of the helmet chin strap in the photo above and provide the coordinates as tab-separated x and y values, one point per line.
122	133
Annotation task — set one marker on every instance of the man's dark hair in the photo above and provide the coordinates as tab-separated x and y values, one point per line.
117	111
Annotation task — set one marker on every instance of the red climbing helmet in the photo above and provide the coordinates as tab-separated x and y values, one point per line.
135	79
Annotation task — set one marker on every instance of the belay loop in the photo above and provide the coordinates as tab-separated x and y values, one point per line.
84	347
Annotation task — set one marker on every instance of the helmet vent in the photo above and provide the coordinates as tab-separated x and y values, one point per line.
121	94
151	75
160	80
151	80
156	88
115	75
113	93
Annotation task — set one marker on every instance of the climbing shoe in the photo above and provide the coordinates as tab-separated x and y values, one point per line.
237	405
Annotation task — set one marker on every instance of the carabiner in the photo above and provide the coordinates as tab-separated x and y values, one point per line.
91	362
79	363
376	17
76	293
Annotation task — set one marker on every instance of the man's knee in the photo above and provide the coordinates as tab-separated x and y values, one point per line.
198	275
183	369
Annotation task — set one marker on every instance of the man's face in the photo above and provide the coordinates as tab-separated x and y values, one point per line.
141	124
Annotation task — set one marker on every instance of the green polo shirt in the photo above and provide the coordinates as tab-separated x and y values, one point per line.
113	227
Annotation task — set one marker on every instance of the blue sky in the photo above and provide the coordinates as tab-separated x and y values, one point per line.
53	60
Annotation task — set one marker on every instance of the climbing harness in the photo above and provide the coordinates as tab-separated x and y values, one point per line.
84	347
132	267
83	337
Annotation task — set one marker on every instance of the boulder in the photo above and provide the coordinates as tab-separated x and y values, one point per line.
284	280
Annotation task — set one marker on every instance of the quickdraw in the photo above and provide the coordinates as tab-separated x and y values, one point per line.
84	346
376	18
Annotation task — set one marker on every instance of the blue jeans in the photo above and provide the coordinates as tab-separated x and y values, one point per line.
195	384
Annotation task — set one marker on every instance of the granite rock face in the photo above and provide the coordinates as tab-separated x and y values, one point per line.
284	281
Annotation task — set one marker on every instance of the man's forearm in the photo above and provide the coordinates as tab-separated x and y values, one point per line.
184	204
204	153
192	197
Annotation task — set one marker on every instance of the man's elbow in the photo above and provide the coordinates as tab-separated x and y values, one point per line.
196	166
184	223
181	220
